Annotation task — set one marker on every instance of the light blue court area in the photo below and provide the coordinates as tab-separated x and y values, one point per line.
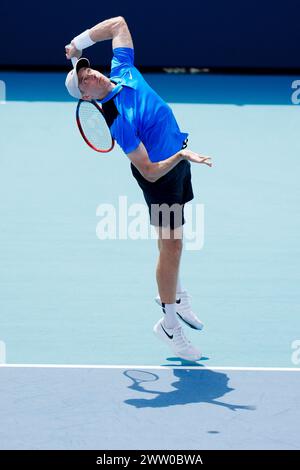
67	297
46	408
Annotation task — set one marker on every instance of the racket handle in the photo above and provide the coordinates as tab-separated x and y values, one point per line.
74	60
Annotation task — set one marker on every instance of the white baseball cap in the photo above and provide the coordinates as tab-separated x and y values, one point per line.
72	77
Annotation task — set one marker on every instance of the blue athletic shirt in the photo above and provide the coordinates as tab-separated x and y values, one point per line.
143	114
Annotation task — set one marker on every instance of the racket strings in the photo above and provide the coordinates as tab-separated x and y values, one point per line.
94	126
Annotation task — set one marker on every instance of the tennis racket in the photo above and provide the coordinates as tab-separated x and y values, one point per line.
93	127
92	124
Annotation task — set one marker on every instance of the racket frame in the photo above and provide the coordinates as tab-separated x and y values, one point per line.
81	130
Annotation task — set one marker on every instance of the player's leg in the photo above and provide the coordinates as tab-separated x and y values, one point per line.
179	287
168	266
168	328
169	187
168	256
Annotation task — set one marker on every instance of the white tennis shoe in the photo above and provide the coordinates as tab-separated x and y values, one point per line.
184	310
177	341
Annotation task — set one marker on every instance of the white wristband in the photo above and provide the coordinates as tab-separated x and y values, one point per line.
83	40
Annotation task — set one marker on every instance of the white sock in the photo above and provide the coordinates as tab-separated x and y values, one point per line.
170	317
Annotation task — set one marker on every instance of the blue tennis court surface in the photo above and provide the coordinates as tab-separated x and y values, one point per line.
184	408
68	298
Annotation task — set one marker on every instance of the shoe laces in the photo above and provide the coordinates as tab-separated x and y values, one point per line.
179	338
185	303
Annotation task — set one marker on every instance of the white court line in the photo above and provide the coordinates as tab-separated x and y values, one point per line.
150	367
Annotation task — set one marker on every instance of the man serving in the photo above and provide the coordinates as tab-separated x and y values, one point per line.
145	128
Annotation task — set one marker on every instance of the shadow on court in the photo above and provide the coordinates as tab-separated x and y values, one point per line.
191	386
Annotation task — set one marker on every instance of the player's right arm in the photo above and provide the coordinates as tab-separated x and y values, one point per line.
153	171
115	29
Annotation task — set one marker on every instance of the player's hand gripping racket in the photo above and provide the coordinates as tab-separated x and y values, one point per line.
92	124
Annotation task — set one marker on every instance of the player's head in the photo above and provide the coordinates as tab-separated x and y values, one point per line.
86	83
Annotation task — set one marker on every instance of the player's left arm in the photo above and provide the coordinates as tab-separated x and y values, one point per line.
152	171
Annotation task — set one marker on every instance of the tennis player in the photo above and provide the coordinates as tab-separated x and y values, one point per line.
146	130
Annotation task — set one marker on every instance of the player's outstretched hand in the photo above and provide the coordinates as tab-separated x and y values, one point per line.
196	157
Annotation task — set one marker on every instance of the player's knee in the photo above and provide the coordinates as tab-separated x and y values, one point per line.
172	246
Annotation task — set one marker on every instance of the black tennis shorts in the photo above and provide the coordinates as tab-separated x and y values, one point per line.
166	197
